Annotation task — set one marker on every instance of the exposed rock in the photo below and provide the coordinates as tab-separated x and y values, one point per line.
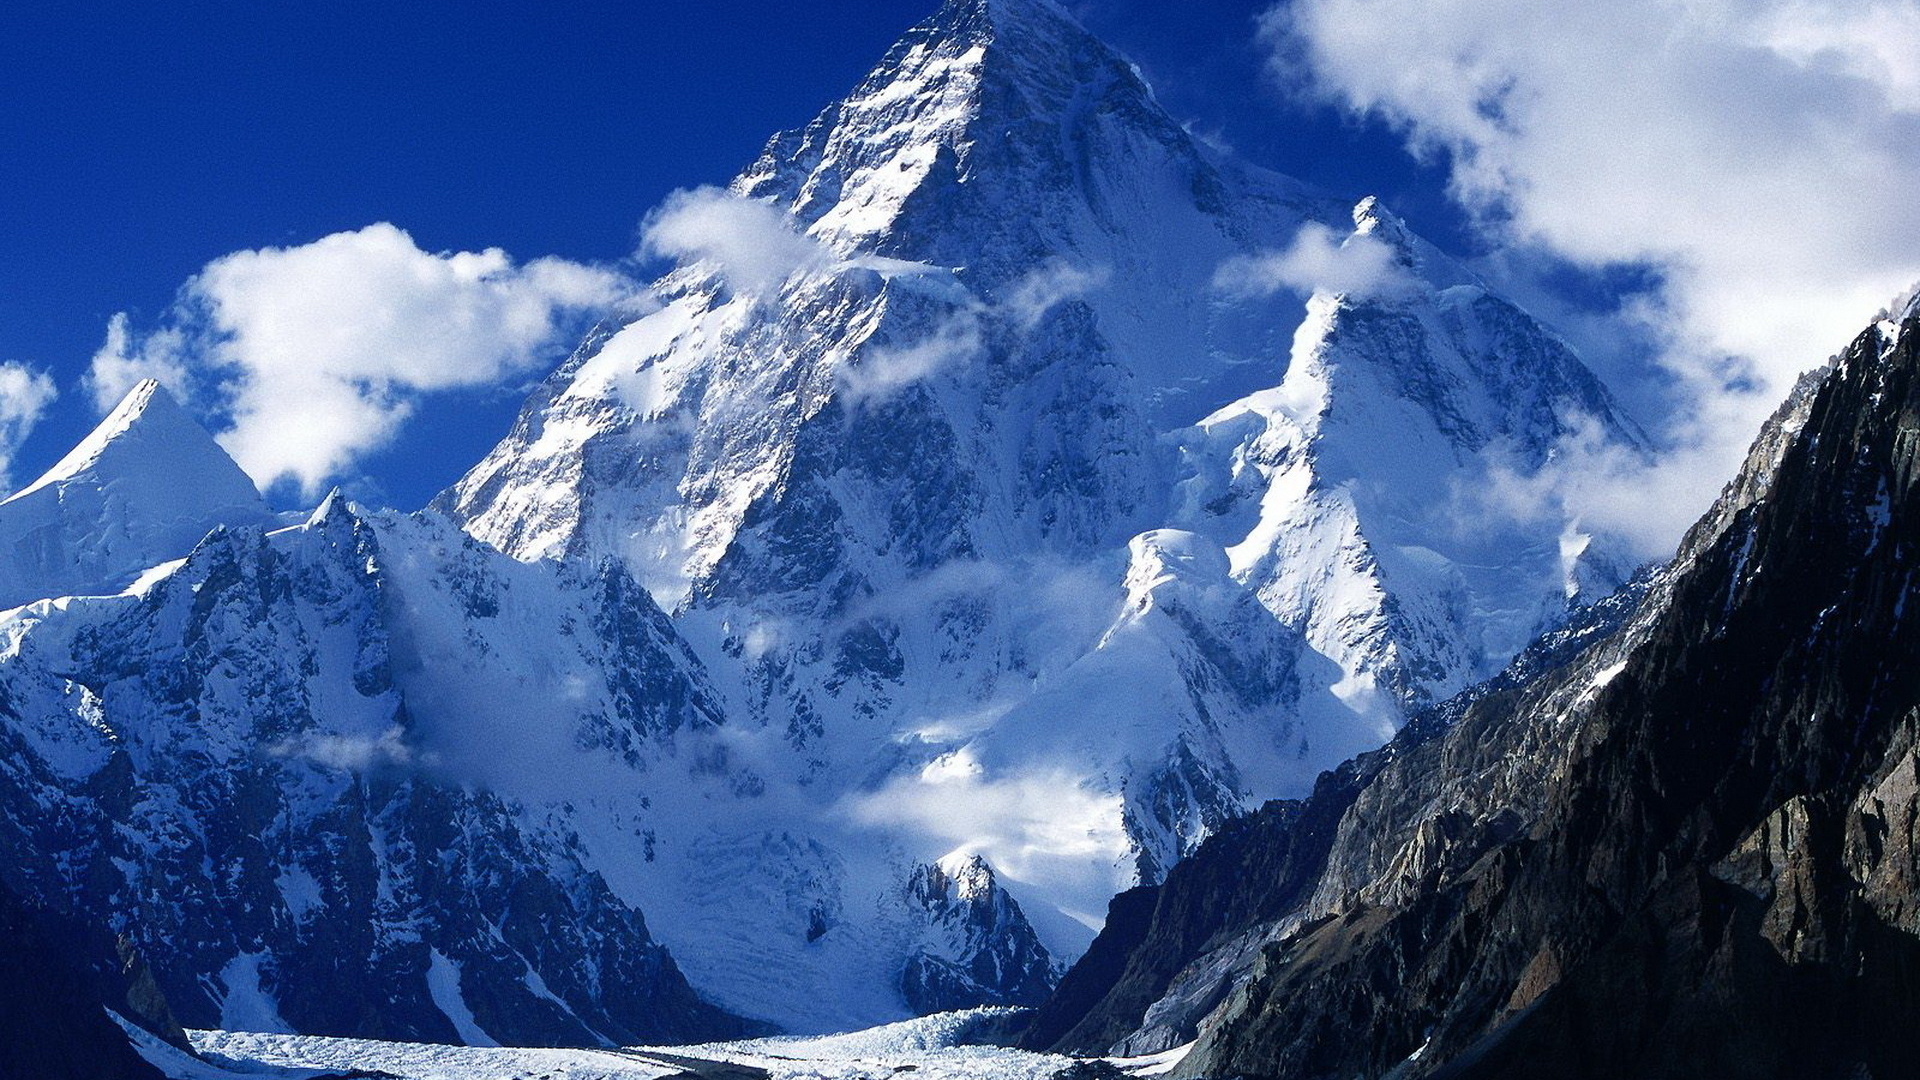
1688	851
53	1019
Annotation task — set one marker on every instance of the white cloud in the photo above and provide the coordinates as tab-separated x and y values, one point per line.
355	753
882	371
1053	283
752	245
24	397
1593	484
1760	155
1042	825
960	336
1318	260
318	353
124	361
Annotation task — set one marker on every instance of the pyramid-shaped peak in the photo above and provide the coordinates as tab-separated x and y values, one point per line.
988	15
150	439
1046	37
1371	217
334	508
142	488
965	98
148	415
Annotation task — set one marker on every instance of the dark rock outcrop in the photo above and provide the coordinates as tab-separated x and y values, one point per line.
981	949
54	1000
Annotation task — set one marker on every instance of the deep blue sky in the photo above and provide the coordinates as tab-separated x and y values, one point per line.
139	141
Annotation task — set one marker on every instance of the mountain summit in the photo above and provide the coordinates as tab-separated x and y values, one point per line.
1026	407
143	487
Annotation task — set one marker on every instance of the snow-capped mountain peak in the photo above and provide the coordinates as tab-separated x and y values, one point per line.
142	488
997	472
148	437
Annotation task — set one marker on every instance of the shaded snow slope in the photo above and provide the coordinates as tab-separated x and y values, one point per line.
304	772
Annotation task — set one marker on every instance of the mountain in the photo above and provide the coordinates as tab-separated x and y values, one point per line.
973	530
1008	413
143	488
1675	841
365	776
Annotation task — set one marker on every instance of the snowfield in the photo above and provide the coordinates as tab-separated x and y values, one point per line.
930	1048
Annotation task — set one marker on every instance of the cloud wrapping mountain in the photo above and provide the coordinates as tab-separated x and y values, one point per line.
316	354
1759	158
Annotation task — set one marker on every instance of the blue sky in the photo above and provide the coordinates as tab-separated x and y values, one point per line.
1739	175
142	141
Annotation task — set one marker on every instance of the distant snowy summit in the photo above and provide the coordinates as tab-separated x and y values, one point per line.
142	488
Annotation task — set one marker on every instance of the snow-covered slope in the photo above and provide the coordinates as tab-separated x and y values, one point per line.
1338	493
366	776
1008	518
298	770
143	488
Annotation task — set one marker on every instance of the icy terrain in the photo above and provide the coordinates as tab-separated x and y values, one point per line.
143	488
934	1047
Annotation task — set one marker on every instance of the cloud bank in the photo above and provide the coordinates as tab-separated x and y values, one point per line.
317	354
1758	156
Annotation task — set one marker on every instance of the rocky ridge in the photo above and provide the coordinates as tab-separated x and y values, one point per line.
1687	849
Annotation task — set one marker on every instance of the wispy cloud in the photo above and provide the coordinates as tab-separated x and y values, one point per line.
25	395
753	246
356	753
317	354
1027	825
884	370
960	335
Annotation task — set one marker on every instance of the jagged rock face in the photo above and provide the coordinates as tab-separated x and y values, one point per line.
986	949
142	489
898	499
267	768
1713	874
